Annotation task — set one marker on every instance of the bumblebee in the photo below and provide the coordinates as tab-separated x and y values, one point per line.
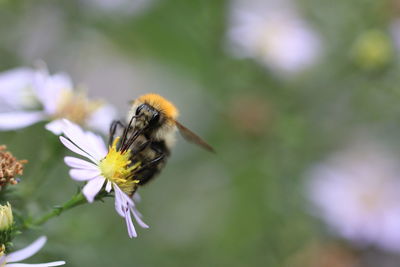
149	132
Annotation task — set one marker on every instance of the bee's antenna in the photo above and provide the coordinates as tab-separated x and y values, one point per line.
124	135
132	139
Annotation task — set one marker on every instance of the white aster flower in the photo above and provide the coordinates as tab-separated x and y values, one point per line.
356	192
275	35
58	100
12	259
110	167
16	89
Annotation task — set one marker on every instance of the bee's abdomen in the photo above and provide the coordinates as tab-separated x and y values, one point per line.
152	159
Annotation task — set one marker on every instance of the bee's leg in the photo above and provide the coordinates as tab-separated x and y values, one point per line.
113	130
153	166
152	162
141	147
161	155
150	169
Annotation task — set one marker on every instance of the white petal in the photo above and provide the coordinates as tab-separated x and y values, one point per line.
120	205
124	197
97	143
39	80
47	264
49	89
138	213
81	139
71	146
83	175
92	188
129	224
101	119
108	186
80	163
75	133
19	119
137	216
15	89
2	260
55	127
28	251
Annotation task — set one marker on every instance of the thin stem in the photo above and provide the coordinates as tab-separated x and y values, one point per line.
76	200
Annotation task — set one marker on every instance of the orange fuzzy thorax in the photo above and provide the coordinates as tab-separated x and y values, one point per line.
161	104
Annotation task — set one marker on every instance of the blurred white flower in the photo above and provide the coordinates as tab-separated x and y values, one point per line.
110	167
9	260
274	35
58	99
16	89
357	192
395	33
122	7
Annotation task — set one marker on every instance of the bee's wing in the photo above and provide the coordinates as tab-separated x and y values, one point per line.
192	137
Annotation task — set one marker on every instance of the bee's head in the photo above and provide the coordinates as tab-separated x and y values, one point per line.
154	114
148	117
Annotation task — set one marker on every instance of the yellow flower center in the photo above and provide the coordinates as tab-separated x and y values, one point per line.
76	107
116	167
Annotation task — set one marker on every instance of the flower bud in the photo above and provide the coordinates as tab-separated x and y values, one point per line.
372	50
6	217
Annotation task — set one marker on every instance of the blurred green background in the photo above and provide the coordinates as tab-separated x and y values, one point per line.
245	205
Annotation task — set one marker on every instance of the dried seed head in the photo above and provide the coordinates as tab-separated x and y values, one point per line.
10	167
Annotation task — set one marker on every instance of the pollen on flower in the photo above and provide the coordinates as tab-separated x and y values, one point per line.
116	167
76	107
10	167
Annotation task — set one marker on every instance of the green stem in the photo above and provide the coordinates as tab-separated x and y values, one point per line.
76	200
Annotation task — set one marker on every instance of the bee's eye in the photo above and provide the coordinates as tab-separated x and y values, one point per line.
155	120
139	109
156	117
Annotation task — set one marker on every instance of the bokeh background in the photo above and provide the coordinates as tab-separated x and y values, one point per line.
299	98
